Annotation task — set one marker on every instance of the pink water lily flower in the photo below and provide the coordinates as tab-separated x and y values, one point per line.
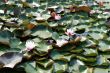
61	42
92	11
30	44
57	17
69	32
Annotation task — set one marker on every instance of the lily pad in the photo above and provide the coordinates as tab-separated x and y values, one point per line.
10	59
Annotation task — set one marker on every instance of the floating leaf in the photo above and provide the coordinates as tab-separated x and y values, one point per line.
45	63
55	55
100	70
44	70
14	42
90	52
42	47
77	66
42	33
60	66
5	36
104	45
29	68
101	60
10	59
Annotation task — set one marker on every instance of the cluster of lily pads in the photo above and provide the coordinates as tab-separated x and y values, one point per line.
54	36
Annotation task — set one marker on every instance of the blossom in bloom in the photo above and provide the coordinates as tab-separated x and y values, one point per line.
69	32
92	11
61	42
57	17
30	45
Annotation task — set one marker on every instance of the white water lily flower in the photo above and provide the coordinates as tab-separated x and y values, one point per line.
30	45
69	32
61	42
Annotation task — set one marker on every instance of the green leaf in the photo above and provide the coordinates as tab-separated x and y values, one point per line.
55	55
101	60
45	63
88	59
10	59
77	49
55	35
89	43
90	52
44	70
96	35
30	67
100	70
5	37
104	45
42	47
60	66
77	66
14	42
42	33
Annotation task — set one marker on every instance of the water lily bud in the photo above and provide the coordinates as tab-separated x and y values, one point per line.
30	45
69	32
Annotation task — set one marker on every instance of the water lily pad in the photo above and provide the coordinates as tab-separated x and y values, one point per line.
90	52
60	66
101	60
100	70
29	67
10	59
104	45
45	63
42	47
5	37
42	33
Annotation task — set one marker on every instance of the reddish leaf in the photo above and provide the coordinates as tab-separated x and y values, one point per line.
85	8
30	26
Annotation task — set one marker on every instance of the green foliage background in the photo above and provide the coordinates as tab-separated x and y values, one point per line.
89	55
